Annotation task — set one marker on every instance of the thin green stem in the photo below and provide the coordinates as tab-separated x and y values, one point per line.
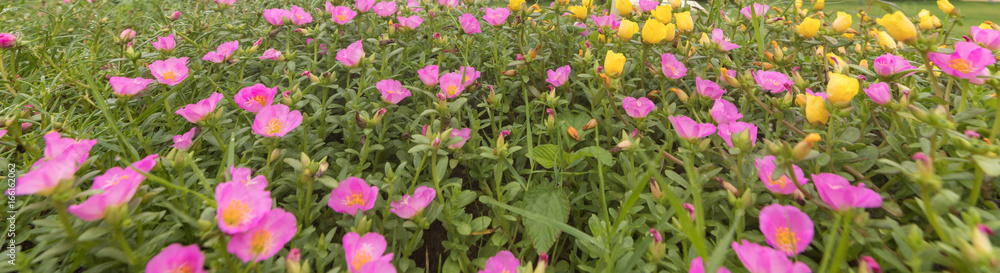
845	242
977	187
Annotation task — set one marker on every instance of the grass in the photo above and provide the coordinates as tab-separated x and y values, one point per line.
974	12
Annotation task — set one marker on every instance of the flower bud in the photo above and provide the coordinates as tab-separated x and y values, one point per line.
680	94
590	124
293	261
572	133
126	35
274	155
654	188
360	121
175	16
805	146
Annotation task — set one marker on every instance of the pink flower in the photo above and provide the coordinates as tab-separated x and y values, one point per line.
175	16
464	133
381	265
244	177
504	261
773	81
720	39
410	206
183	141
638	108
222	53
448	3
271	54
470	75
758	8
7	40
879	92
968	133
497	16
276	121
648	5
170	71
177	258
698	266
607	21
119	186
429	75
689	129
225	2
411	22
3	133
583	25
841	195
869	263
709	89
451	84
765	170
275	229
300	16
196	112
45	175
392	91
969	61
351	55
127	35
888	64
559	76
351	195
738	128
256	97
987	38
470	25
277	16
322	47
342	15
57	147
762	259
786	228
365	250
363	6
165	44
724	112
384	9
240	207
690	211
123	86
671	67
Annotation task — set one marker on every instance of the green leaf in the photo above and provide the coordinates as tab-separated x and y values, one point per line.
990	166
551	203
544	155
598	153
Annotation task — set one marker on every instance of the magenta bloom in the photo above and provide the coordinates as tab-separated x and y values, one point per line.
277	16
841	195
709	89
411	22
698	266
45	175
969	61
261	242
648	5
720	39
470	25
470	75
724	112
196	112
773	81
225	2
689	129
451	84
870	263
244	176
276	121
786	228
57	147
342	15
384	9
3	133
170	71
497	16
270	54
119	187
638	108
765	170
300	16
363	6
429	75
504	261
123	86
362	251
879	92
240	207
351	195
256	97
127	35
987	38
762	259
728	130
888	64
222	53
7	40
392	91
671	67
449	3
177	258
351	55
165	44
559	76
464	133
183	141
605	21
758	8
410	206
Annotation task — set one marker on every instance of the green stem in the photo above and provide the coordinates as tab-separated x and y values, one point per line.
828	250
977	187
996	119
699	212
120	236
845	236
932	216
64	220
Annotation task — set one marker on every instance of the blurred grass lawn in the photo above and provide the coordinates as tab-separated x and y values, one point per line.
974	12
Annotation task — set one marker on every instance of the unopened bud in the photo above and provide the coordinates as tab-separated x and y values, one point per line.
805	146
175	16
293	261
680	94
360	121
729	187
654	188
572	133
590	124
274	155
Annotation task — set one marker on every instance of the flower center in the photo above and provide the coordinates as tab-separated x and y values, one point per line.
781	182
259	99
452	90
261	241
341	18
116	180
274	126
961	65
169	75
355	200
360	259
182	268
786	239
235	213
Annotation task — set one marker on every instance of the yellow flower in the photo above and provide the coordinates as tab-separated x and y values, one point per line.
843	22
819	4
671	32
624	7
946	7
816	110
930	22
841	89
809	27
923	13
663	14
587	3
677	4
515	5
579	12
885	41
987	25
898	26
614	63
798	4
849	36
684	22
627	29
653	31
836	63
562	2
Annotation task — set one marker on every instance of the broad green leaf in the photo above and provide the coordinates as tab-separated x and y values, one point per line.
550	202
544	155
